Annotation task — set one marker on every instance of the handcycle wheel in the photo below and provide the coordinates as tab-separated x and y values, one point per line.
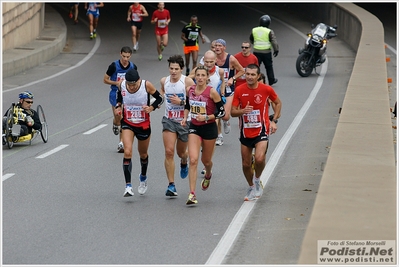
8	129
44	129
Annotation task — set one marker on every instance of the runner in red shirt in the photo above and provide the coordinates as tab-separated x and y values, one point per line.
245	57
135	16
251	106
161	19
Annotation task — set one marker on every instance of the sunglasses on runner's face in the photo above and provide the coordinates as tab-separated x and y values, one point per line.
29	102
244	47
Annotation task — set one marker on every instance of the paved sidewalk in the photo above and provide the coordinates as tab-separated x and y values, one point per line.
45	47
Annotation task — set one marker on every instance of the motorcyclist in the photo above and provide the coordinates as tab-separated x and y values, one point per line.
24	115
264	40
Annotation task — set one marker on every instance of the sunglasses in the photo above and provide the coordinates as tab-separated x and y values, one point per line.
246	47
29	102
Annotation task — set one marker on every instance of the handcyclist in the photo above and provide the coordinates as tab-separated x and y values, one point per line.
24	115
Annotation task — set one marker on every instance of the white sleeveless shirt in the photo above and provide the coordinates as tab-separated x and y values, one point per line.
133	104
174	112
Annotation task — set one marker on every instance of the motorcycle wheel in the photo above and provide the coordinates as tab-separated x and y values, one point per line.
303	66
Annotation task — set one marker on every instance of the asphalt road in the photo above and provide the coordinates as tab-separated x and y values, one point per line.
67	208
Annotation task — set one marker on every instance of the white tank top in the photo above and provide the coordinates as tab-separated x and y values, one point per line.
174	112
133	103
214	80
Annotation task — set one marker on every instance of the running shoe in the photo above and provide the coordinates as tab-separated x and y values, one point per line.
70	15
219	141
192	199
162	47
184	171
171	191
94	34
91	36
160	57
226	126
143	185
76	21
205	182
258	188
128	192
250	194
120	148
115	129
203	172
187	71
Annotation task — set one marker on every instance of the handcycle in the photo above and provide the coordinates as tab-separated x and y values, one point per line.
11	130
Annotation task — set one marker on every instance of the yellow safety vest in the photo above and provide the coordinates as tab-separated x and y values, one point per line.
261	38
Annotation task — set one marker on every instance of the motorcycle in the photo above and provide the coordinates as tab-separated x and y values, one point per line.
314	52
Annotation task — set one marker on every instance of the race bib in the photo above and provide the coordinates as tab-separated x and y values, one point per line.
120	76
252	120
162	23
176	113
193	36
197	108
134	114
136	17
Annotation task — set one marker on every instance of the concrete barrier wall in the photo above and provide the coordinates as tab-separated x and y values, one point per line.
46	40
357	194
22	23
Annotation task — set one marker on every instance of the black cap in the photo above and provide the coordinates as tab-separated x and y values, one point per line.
132	75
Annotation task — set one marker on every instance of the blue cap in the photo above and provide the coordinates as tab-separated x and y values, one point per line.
221	41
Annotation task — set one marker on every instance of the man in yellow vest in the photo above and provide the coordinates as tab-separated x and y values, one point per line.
264	40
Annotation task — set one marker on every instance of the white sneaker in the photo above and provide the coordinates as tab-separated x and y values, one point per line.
258	188
219	141
142	187
120	148
226	126
137	46
250	194
128	192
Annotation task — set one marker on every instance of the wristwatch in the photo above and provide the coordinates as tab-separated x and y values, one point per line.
234	79
182	103
275	121
206	118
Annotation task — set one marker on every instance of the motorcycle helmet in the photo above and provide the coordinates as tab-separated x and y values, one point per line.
264	21
25	95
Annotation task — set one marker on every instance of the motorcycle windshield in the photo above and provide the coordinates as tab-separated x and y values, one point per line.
320	30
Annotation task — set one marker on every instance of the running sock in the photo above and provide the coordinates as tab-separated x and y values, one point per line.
127	170
183	165
144	165
172	183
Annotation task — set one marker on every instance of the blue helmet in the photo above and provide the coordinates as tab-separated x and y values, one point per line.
25	95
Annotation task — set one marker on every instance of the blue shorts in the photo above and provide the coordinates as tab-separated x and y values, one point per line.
112	97
95	14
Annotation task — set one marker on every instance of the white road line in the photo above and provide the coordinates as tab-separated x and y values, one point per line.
52	151
95	129
229	237
8	175
227	241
